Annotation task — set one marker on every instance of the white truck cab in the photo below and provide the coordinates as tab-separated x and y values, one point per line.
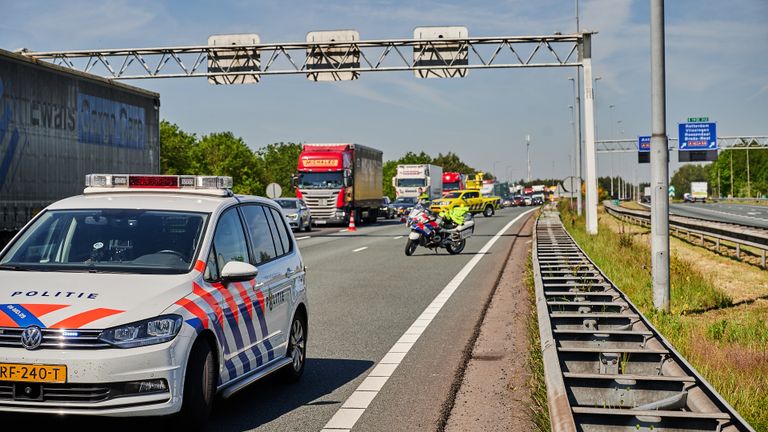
148	295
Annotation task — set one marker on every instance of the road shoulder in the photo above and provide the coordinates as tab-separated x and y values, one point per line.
494	393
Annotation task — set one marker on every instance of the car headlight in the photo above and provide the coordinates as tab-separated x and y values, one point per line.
292	216
142	333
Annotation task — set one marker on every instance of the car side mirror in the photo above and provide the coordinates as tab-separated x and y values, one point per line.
294	181
348	181
237	271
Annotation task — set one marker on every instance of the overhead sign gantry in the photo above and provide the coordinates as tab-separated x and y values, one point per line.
433	52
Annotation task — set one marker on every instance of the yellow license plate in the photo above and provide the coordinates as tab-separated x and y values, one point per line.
33	373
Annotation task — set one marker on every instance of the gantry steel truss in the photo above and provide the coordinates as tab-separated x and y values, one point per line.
336	57
723	143
346	59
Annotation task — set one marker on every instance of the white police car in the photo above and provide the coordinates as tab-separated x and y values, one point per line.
148	295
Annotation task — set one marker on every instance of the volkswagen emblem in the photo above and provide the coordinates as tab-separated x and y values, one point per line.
31	337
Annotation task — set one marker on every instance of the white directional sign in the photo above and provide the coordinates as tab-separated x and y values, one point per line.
236	60
333	56
436	53
274	190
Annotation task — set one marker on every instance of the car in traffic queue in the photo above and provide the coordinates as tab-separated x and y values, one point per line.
296	213
471	198
386	209
403	205
518	200
149	295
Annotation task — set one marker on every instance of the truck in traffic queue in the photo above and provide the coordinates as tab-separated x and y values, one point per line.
454	181
339	180
699	191
471	197
418	179
56	123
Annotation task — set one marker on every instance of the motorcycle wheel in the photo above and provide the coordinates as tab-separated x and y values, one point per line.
410	247
454	248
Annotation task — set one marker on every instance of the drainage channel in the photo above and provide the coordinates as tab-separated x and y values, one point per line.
606	367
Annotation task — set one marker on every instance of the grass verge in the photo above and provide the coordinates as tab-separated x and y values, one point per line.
727	345
535	361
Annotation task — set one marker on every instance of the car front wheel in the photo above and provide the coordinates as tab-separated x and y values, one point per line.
297	350
199	387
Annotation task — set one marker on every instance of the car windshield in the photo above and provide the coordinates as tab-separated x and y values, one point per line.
287	204
408	200
321	180
411	182
452	195
108	240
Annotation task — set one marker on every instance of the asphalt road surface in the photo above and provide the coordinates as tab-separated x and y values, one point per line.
365	295
742	214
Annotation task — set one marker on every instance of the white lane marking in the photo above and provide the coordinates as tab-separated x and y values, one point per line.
354	407
359	249
302	238
343	230
397	238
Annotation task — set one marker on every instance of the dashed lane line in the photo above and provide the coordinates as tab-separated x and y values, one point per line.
302	238
353	408
397	238
360	249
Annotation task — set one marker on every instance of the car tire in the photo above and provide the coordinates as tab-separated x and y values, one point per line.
199	387
297	349
488	211
309	225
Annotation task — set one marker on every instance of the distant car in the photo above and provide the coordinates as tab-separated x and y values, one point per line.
688	197
518	200
507	201
527	201
296	213
403	205
385	208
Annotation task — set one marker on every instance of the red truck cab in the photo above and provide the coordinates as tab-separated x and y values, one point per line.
453	181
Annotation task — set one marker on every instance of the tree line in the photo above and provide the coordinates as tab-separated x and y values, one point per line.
728	176
223	153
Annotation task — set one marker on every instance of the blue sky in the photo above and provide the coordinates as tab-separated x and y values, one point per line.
717	66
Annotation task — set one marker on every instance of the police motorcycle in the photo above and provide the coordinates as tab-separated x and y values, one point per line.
449	230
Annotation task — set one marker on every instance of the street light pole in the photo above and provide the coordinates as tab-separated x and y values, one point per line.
577	103
528	153
613	136
659	163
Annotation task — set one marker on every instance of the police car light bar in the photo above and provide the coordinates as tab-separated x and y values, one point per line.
213	185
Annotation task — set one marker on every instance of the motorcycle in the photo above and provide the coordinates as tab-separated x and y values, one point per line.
449	231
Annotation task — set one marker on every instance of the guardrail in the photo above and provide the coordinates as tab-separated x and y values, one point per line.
606	367
683	226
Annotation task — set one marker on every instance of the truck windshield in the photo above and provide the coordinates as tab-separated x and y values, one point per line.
411	182
321	180
406	200
110	241
451	186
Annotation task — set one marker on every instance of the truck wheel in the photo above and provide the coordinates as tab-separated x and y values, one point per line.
410	247
454	248
199	387
488	211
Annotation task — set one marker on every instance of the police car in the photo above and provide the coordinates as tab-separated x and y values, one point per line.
149	295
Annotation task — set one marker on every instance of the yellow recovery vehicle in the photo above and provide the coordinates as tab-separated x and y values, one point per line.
471	197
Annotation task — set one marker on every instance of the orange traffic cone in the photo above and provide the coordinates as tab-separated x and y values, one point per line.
351	226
